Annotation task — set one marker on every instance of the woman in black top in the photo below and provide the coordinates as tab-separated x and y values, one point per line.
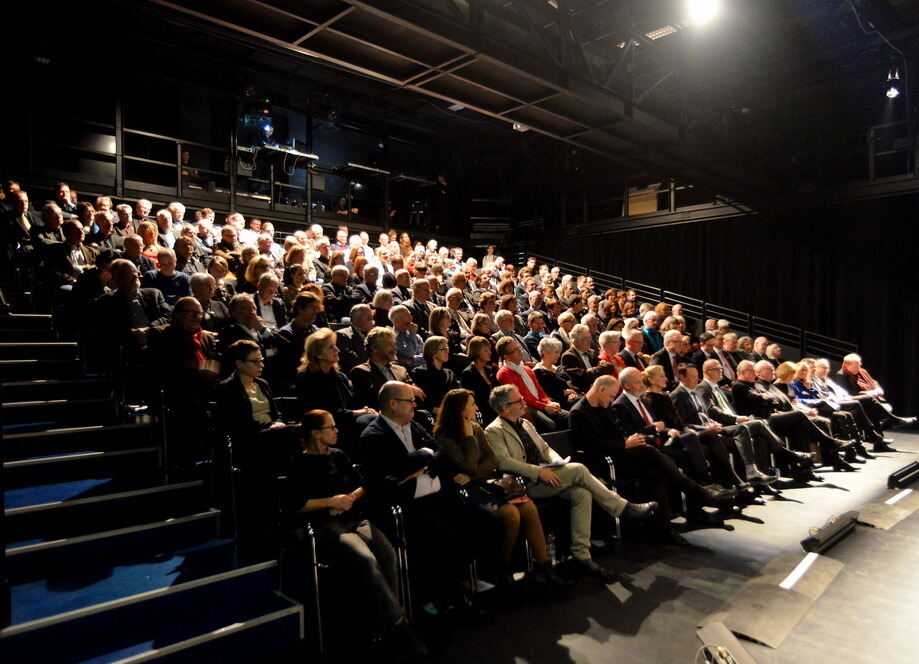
324	488
551	376
320	385
434	379
479	377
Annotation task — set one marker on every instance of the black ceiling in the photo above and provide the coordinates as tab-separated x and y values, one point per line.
741	105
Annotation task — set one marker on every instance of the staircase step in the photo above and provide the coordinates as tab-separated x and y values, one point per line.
121	627
38	415
68	388
30	369
99	438
25	321
80	516
40	600
271	637
40	350
140	462
61	558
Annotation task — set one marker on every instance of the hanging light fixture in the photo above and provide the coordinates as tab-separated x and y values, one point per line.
893	83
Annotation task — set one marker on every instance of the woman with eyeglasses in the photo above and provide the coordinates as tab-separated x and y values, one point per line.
434	378
244	401
324	488
464	441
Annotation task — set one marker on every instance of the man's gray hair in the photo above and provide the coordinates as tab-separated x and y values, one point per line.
398	310
852	357
376	336
340	269
500	397
359	309
672	334
579	332
199	279
503	314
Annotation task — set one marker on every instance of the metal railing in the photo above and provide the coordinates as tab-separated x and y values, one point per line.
806	342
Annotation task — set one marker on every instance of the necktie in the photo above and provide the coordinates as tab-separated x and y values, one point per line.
638	361
676	370
644	413
25	223
722	401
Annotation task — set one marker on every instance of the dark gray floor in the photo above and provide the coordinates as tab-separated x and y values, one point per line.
870	612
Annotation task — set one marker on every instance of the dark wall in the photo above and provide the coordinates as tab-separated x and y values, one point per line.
846	271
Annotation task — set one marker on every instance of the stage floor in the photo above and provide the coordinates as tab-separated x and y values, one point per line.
869	613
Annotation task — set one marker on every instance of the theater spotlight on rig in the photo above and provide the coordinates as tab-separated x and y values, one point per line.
893	83
821	539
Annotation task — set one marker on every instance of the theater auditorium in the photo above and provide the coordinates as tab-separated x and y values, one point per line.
448	331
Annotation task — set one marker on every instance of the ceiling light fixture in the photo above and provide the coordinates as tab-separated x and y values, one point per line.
893	82
520	127
702	11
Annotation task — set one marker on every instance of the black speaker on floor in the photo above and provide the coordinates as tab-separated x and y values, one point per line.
837	527
903	477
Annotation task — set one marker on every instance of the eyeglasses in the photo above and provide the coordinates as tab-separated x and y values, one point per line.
258	361
189	312
332	426
514	403
412	400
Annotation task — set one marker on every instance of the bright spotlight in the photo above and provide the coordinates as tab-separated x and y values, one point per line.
702	11
892	92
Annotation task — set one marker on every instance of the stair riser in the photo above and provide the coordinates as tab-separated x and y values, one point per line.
9	335
68	558
51	391
65	520
40	370
144	464
43	351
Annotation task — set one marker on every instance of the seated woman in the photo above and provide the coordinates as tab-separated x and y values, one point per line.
319	384
218	268
479	376
610	345
382	303
324	488
712	444
845	423
554	380
294	278
149	233
254	270
464	441
434	379
481	327
441	323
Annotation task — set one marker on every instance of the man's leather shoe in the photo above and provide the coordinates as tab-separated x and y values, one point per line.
590	567
840	465
639	511
703	518
805	458
713	497
883	447
903	421
760	478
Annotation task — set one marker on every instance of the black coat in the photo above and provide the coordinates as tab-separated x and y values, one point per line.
435	383
368	379
351	347
234	410
472	380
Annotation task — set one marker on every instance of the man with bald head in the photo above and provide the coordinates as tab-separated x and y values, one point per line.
601	433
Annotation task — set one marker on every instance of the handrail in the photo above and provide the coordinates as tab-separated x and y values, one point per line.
805	340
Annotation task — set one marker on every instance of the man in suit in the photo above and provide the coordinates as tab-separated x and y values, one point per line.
580	360
321	262
736	437
125	314
63	201
419	305
215	314
365	290
15	226
764	440
166	236
49	232
104	237
631	355
133	246
247	324
706	352
69	258
749	399
669	357
521	450
547	415
402	292
403	465
352	349
337	297
873	413
600	433
536	321
368	378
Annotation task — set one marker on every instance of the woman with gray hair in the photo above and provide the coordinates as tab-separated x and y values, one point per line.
553	378
382	303
566	322
610	345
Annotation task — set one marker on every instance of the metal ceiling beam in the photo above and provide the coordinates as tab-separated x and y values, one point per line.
321	26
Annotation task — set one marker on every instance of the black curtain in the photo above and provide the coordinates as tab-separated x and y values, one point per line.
846	271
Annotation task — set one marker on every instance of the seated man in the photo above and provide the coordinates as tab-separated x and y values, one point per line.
764	442
669	357
854	379
547	415
337	296
536	321
521	450
171	283
875	415
750	399
632	355
580	361
104	237
402	465
381	367
49	232
504	319
247	324
68	259
351	340
653	341
409	343
420	305
365	290
133	246
216	314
